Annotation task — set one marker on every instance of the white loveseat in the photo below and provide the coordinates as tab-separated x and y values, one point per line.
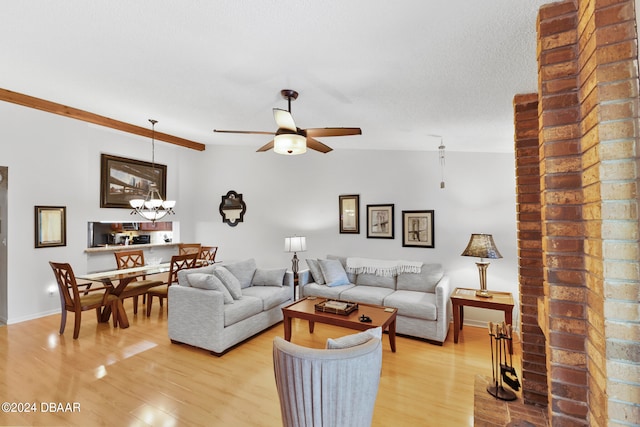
422	298
205	315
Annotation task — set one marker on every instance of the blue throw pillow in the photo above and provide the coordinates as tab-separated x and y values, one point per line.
333	272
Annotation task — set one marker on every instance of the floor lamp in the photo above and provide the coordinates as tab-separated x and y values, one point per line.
295	244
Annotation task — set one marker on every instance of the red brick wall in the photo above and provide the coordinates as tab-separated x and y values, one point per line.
562	225
588	174
530	273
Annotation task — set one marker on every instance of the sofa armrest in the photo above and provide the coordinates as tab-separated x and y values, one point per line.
288	278
304	277
194	312
443	303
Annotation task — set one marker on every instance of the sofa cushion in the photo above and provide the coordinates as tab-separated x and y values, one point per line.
419	305
230	281
315	290
209	281
242	309
268	277
333	272
182	274
366	294
425	281
271	296
316	273
368	279
343	261
354	339
243	270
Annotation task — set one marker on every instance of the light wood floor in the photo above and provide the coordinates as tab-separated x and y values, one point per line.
136	377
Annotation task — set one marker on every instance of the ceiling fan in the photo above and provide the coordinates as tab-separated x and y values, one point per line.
290	139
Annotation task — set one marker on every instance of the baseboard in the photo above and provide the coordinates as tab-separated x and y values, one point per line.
31	317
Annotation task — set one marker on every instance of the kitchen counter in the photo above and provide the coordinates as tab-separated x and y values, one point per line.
113	248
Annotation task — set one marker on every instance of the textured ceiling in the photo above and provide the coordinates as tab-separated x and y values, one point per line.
401	70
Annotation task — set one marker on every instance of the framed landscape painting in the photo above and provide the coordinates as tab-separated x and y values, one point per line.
349	213
417	229
123	179
380	221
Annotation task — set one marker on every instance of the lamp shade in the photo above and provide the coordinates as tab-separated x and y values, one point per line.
482	246
295	244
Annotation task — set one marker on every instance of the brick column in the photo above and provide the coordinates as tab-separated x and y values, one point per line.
529	223
563	228
609	107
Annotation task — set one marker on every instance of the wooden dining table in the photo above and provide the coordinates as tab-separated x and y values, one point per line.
117	281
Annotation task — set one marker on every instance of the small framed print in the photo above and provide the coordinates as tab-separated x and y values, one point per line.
417	229
50	226
349	212
380	221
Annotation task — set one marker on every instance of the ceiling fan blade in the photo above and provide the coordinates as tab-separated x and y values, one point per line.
321	132
284	119
257	132
266	147
314	144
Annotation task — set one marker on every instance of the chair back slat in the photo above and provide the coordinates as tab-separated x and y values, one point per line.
128	259
188	248
180	262
67	285
208	254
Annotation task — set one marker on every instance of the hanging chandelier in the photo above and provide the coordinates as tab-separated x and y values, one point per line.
152	208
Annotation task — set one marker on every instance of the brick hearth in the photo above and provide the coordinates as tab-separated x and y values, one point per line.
489	411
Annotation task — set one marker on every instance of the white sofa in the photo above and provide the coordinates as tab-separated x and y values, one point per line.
204	315
422	299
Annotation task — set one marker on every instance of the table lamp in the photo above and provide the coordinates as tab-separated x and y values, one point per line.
295	244
482	246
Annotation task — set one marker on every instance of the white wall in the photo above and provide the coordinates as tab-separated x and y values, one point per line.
299	195
53	160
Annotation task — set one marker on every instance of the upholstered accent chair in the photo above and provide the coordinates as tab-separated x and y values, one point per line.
332	387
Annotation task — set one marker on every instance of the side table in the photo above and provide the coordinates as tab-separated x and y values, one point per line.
462	297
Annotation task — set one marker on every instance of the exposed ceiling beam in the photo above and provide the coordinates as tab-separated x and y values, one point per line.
74	113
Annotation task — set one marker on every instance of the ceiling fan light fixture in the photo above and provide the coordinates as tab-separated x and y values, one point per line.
290	144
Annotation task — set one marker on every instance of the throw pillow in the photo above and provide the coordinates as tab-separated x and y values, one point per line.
354	339
314	268
268	277
209	281
243	270
230	281
333	272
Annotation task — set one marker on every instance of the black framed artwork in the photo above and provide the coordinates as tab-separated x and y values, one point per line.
122	180
349	211
380	221
418	229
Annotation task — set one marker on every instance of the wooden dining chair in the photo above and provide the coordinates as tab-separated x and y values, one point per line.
208	254
139	286
72	298
178	262
188	248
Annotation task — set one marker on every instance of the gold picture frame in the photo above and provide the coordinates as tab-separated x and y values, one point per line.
50	226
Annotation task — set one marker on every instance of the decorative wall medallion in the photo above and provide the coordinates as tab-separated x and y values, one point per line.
232	208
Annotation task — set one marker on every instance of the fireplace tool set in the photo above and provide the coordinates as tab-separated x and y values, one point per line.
503	372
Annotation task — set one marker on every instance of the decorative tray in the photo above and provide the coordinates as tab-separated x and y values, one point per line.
336	306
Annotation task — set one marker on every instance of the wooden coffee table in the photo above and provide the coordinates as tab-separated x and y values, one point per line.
385	317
